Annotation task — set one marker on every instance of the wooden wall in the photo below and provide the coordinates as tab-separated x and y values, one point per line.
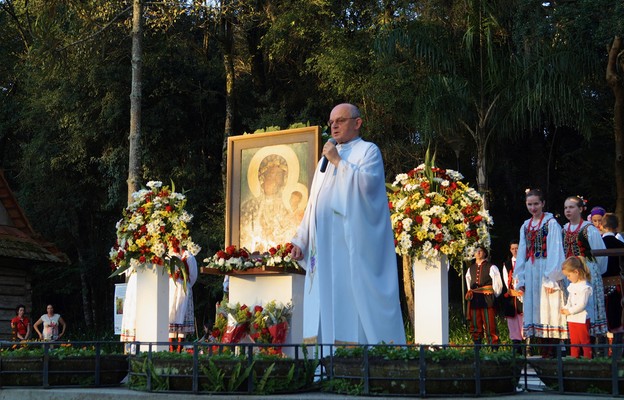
14	289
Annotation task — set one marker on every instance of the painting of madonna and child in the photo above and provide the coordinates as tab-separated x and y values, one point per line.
270	174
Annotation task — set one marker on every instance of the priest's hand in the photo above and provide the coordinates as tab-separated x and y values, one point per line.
296	253
331	153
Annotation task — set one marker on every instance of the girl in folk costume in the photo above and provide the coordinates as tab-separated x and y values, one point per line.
539	277
512	299
578	308
181	307
484	283
579	239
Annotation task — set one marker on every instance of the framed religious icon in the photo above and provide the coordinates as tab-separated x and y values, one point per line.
268	180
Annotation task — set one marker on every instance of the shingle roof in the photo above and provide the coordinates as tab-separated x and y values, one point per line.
20	240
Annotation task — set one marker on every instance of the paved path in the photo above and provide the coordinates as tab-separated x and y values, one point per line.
122	394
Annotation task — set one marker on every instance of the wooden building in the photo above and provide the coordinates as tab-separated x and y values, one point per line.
21	250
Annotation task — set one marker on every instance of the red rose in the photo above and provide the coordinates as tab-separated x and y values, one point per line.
230	250
272	251
168	208
257	309
215	333
477	219
390	205
142	259
439	237
244	307
418	219
449	201
427	200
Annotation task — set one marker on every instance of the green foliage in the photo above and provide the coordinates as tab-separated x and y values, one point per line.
431	353
344	386
64	350
139	381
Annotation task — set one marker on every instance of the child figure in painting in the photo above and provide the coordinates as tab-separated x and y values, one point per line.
579	307
484	283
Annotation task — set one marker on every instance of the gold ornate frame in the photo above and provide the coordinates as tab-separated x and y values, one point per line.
298	151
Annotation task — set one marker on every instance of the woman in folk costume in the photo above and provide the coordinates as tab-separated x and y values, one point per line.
579	239
181	307
512	299
539	276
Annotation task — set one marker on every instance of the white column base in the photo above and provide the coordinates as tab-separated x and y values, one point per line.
431	307
152	314
261	289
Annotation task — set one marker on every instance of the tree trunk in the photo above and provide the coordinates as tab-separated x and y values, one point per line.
408	287
134	153
614	79
482	183
228	61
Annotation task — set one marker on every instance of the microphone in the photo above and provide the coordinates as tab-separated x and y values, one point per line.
325	160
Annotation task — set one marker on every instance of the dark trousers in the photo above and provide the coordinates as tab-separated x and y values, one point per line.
483	323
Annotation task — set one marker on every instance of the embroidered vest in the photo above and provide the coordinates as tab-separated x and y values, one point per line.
577	244
480	275
536	241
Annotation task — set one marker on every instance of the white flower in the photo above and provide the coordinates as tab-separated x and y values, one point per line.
158	249
154	184
193	248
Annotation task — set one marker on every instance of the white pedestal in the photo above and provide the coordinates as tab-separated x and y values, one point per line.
261	289
152	312
431	302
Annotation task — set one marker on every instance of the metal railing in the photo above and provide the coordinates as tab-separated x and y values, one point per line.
389	370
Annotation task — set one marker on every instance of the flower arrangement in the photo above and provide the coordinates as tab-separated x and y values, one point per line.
258	330
153	230
268	324
433	213
235	259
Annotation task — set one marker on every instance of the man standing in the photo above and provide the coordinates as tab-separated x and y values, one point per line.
346	242
485	284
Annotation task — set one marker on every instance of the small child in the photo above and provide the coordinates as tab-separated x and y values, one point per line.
579	306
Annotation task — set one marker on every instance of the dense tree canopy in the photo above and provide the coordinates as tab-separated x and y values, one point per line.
511	95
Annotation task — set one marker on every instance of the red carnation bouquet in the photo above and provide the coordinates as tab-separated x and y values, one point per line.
238	319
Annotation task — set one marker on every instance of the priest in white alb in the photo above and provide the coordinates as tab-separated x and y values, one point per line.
346	244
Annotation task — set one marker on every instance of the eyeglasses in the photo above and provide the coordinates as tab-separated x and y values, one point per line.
340	120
